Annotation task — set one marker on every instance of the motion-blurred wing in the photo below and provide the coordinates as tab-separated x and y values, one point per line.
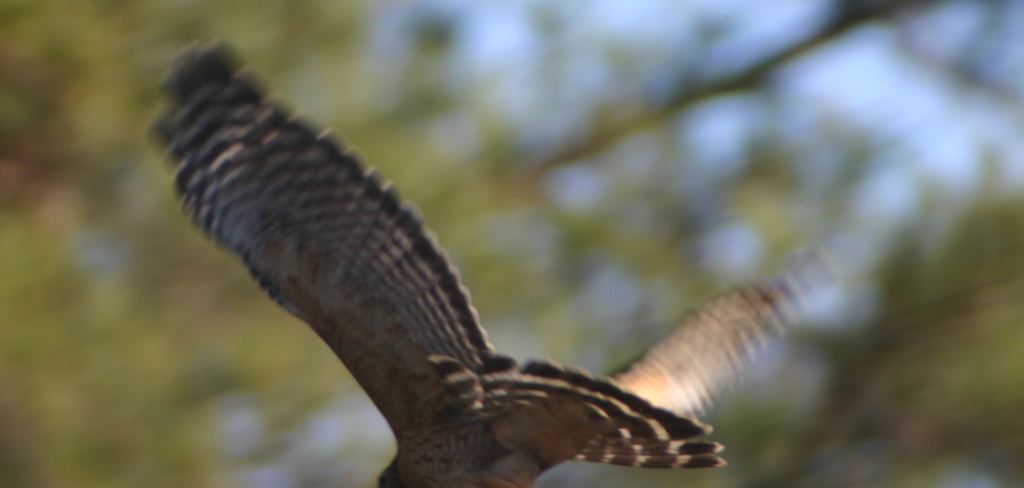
324	238
684	371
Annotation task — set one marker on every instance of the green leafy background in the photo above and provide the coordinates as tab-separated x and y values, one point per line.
594	168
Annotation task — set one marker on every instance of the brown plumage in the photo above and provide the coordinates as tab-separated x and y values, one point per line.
335	246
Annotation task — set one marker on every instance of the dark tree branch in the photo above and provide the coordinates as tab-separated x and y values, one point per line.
847	15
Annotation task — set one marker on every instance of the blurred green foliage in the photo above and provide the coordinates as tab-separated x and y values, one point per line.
124	333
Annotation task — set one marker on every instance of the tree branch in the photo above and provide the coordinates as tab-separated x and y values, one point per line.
847	15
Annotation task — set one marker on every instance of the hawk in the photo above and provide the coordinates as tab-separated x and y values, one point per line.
335	246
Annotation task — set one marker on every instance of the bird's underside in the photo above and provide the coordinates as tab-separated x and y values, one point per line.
335	246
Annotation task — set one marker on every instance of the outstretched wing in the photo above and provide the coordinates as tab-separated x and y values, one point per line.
643	416
684	371
558	414
325	239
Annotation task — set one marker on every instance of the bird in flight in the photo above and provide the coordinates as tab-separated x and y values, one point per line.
334	245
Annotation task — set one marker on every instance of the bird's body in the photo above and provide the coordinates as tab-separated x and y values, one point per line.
336	247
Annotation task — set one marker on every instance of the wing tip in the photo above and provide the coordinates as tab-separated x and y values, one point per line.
705	461
199	66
